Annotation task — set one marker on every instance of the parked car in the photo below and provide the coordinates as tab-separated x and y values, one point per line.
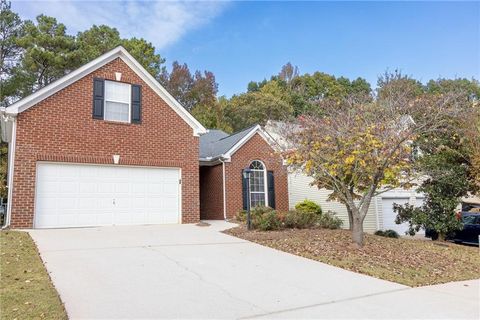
471	229
470	232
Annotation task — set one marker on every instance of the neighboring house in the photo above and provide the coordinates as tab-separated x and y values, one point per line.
104	145
380	215
223	158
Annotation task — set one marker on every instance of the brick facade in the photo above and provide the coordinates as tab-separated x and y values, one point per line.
61	129
211	193
254	149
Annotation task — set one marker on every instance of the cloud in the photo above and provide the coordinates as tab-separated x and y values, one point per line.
160	22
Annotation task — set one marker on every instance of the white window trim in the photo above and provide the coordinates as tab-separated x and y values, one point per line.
265	183
116	101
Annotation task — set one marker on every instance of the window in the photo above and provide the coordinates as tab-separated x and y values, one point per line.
117	101
258	184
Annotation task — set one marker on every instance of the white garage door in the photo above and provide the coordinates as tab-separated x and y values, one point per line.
389	215
72	195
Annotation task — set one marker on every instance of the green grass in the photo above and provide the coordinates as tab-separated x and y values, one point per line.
26	291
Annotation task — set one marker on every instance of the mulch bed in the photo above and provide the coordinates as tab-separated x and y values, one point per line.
407	261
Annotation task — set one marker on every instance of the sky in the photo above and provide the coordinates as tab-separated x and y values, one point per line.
244	41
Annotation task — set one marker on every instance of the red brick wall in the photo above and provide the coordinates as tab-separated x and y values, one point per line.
255	149
61	128
211	192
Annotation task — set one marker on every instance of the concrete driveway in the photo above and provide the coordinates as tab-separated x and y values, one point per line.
187	271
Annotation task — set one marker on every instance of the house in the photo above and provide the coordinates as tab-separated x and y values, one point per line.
223	187
108	145
380	215
105	144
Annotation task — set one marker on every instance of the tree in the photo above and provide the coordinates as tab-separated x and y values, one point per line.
198	90
100	39
144	53
213	116
49	54
447	182
449	162
288	73
179	83
472	135
258	107
96	41
359	148
11	29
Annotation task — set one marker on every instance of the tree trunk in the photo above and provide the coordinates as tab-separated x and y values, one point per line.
350	218
357	232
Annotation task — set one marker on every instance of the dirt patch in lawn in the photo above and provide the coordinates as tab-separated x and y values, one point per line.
26	291
406	261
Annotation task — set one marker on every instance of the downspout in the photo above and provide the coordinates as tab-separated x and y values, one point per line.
10	138
224	190
376	211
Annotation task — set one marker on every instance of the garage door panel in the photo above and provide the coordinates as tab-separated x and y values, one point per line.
389	215
70	195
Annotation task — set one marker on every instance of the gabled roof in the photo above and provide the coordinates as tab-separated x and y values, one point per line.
118	52
216	144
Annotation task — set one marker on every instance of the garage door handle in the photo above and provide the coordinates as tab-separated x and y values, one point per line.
113	201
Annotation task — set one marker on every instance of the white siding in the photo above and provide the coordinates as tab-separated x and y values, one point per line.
299	189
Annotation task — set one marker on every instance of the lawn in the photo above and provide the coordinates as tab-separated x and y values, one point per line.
26	291
406	261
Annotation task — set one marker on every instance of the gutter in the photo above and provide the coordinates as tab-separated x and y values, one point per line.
224	189
8	127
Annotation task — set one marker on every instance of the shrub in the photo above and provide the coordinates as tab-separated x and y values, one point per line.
387	233
300	220
307	206
391	234
241	216
328	220
266	221
255	212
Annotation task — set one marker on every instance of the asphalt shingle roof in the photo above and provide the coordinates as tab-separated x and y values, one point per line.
216	142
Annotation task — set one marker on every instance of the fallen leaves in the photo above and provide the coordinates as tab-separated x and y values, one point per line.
406	261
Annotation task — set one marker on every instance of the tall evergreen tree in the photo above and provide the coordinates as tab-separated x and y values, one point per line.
11	29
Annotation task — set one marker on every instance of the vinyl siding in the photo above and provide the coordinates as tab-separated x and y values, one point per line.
299	189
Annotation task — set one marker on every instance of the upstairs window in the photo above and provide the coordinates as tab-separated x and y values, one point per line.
117	101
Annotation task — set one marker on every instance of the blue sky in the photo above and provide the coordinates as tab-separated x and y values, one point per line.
244	41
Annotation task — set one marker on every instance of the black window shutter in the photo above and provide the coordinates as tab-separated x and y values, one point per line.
244	192
271	189
136	103
98	98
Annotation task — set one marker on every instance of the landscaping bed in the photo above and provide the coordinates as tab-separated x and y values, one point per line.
406	261
26	291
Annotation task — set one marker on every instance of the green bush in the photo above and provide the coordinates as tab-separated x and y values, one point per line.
307	206
300	220
387	233
266	221
255	212
328	220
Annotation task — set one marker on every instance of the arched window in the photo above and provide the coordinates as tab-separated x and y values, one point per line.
258	184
